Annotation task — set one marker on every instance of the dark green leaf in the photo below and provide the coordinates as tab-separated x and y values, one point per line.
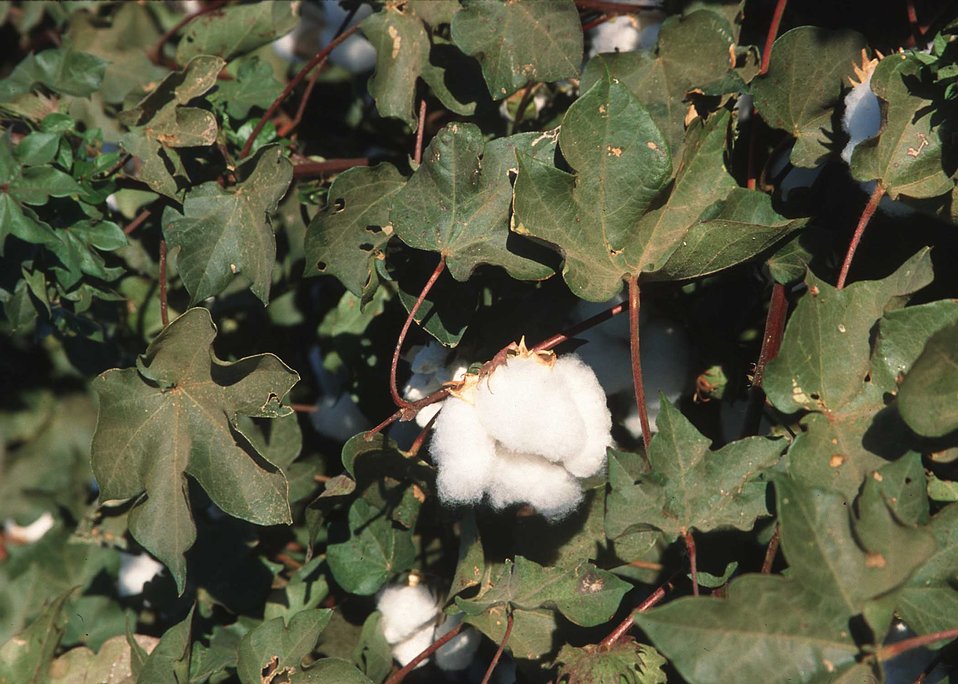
402	50
372	654
457	202
625	663
927	603
176	415
254	86
927	399
902	335
225	233
26	658
277	648
235	30
62	70
519	42
170	660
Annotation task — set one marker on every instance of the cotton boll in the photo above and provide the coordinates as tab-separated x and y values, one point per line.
620	34
135	572
428	358
524	406
356	54
338	418
862	117
406	610
528	478
405	651
457	653
27	534
583	388
463	452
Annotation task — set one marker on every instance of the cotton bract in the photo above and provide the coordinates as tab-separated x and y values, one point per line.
523	434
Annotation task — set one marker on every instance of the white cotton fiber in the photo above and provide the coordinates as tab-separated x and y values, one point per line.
525	405
463	452
27	534
862	117
582	387
419	641
135	572
620	34
406	610
527	478
457	653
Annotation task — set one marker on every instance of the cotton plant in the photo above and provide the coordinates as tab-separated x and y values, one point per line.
526	432
337	416
135	571
317	27
666	360
432	366
28	534
626	33
410	612
862	117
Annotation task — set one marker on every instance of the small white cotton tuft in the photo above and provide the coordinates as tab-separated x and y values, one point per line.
527	478
135	572
27	534
620	34
405	651
406	610
457	653
862	117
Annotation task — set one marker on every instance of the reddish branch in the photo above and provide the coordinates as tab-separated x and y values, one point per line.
771	551
400	675
867	214
304	408
155	53
637	363
421	437
772	33
393	390
693	563
318	60
420	132
771	343
889	651
164	314
316	169
588	323
623	627
498	655
137	221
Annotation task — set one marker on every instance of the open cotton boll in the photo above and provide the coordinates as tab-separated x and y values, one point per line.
463	452
431	368
583	388
862	117
405	651
27	534
528	478
457	653
620	34
406	610
525	406
135	571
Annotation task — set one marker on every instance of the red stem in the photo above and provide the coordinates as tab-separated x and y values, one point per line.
693	563
399	675
314	169
317	60
398	400
420	132
771	343
155	53
164	314
598	21
771	551
498	655
867	214
421	437
623	627
772	33
588	323
916	32
614	7
137	221
637	363
892	650
304	408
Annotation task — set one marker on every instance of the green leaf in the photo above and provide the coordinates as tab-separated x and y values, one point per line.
906	157
175	415
927	397
457	202
348	235
624	663
170	660
622	164
62	70
26	658
902	335
767	629
254	86
277	648
519	42
689	485
373	654
225	233
693	52
455	78
846	560
532	631
375	551
809	68
235	30
435	12
161	122
402	51
928	601
585	595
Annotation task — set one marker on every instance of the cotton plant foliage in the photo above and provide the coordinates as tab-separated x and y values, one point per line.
526	433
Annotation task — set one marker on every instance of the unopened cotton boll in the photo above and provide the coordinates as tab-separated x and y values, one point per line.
135	571
862	117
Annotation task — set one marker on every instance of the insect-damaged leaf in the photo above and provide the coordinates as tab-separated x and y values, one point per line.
235	30
176	415
348	234
402	51
225	233
691	486
519	42
457	202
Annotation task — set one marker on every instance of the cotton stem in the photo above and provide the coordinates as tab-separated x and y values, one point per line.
498	655
693	563
400	675
623	627
867	214
637	362
886	653
164	313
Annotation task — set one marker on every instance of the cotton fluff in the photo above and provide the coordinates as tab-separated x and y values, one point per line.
626	33
431	368
135	571
27	534
457	653
862	117
523	434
